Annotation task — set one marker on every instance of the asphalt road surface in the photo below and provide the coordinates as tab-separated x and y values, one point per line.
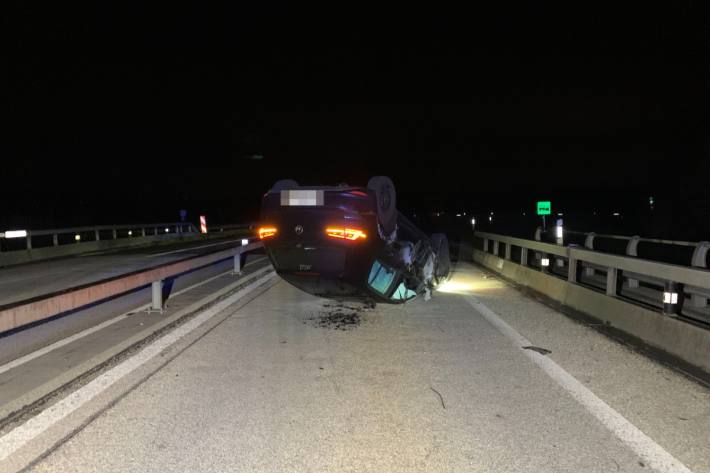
291	383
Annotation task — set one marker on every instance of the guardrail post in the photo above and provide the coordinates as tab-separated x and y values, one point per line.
671	298
237	262
589	240
700	255
523	256
632	250
157	291
485	245
496	245
572	268
28	239
699	260
115	234
97	235
143	231
508	251
589	244
544	258
55	240
611	281
559	232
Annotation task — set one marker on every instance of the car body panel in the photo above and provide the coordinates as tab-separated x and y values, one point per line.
369	267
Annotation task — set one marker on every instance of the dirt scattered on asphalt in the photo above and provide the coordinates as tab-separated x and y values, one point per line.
340	315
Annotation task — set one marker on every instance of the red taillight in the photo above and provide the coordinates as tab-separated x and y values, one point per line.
266	232
358	193
346	233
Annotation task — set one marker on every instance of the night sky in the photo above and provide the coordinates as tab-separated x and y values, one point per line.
127	113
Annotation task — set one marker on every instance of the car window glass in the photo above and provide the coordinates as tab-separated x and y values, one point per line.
402	293
380	277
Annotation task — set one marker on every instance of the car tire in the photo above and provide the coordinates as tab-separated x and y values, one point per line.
284	184
386	198
440	245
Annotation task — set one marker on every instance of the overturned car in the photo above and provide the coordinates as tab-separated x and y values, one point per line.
347	242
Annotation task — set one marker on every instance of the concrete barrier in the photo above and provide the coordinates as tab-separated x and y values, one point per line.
670	335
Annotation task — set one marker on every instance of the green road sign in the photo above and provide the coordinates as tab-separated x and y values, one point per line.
544	208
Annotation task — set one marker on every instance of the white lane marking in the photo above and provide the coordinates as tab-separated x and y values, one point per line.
653	454
66	341
21	435
193	248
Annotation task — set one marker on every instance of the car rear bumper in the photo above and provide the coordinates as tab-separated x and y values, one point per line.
327	261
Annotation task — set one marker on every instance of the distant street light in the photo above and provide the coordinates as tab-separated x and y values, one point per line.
77	237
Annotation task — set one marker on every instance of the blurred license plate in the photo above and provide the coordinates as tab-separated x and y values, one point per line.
307	198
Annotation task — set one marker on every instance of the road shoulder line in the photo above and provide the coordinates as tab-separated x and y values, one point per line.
41	395
35	426
646	448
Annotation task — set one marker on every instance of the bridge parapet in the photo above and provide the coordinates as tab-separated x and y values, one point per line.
19	247
610	286
45	306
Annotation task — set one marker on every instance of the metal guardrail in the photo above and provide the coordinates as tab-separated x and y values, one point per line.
626	237
117	231
698	259
676	280
45	306
232	226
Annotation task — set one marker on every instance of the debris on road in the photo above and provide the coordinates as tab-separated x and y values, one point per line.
441	398
542	351
339	316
